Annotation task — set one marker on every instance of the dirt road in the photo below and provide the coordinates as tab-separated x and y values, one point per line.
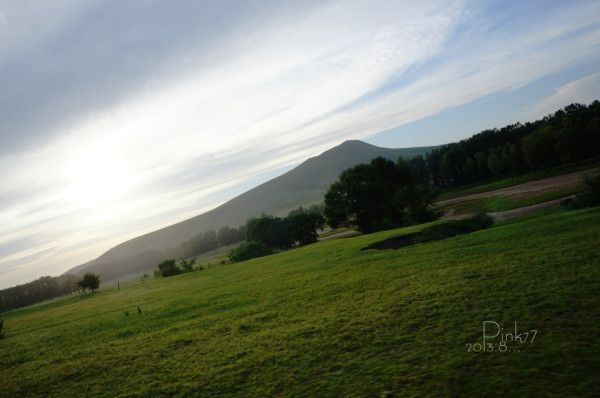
529	189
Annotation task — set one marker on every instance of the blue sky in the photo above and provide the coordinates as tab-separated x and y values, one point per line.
118	118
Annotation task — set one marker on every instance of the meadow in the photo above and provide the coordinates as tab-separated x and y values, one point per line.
330	319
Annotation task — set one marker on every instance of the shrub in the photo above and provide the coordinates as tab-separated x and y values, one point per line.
249	250
167	268
590	196
187	265
1	329
480	220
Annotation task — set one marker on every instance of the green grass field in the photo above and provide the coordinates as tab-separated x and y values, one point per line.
331	320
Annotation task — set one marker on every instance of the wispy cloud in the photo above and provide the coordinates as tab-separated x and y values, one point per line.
583	91
221	109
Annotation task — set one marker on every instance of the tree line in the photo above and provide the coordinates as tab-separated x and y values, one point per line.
49	287
41	289
570	135
46	288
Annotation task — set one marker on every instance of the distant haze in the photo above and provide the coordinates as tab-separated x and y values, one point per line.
121	118
302	186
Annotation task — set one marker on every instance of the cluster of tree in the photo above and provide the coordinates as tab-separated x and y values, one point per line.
569	135
44	288
207	241
171	267
379	195
89	281
298	228
248	250
266	233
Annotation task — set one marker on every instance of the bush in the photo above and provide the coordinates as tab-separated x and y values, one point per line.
1	329
590	196
249	250
167	268
187	265
480	220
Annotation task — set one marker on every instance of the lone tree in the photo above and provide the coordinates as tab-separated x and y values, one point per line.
89	281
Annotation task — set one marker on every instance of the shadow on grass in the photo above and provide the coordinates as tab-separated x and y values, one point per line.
435	232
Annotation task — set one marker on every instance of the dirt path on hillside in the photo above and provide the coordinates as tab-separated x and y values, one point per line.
513	213
343	234
529	189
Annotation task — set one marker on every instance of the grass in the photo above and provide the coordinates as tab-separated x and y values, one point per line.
502	203
331	320
437	231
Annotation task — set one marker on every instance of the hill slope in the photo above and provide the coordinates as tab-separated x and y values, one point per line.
304	185
330	320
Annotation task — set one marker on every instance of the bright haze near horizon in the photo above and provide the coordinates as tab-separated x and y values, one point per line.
118	118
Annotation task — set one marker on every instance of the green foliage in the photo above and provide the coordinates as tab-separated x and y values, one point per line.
303	225
228	236
335	321
590	196
187	265
249	250
378	195
1	329
89	281
44	288
298	228
494	162
167	268
270	231
571	134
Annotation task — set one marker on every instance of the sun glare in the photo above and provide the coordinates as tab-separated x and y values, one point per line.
97	177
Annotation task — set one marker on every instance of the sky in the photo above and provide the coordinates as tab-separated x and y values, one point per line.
119	118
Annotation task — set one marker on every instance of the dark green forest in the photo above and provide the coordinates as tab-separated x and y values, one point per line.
569	135
44	288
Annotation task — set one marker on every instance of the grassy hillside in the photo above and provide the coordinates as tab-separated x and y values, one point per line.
304	185
331	320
